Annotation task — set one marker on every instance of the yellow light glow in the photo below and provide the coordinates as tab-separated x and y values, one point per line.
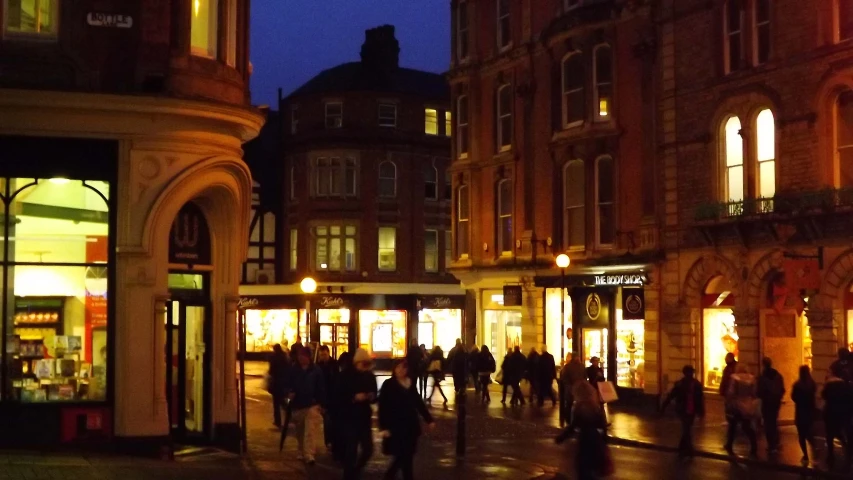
603	107
563	260
59	181
197	7
308	285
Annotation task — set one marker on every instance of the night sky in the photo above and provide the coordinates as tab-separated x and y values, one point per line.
293	40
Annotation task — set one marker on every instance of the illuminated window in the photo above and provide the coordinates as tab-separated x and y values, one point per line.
504	203
448	124
430	121
294	119
431	250
462	31
603	82
430	182
761	31
605	197
765	128
335	248
294	251
462	221
462	126
204	27
382	333
844	140
387	179
334	114
335	177
37	17
574	103
574	199
504	117
448	248
387	115
733	35
387	248
503	26
733	151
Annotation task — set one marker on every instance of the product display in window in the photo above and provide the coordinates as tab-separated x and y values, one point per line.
595	345
630	364
439	327
555	329
720	338
383	332
266	328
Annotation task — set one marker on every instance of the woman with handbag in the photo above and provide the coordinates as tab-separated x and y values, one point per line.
592	457
436	370
486	366
399	409
742	407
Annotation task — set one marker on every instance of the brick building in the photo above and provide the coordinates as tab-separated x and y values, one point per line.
125	203
554	153
755	112
365	212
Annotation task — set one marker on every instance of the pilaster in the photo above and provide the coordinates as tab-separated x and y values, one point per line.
749	344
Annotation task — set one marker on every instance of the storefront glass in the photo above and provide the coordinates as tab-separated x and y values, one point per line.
719	338
555	330
502	331
382	332
334	329
595	345
439	327
56	257
630	353
850	329
266	328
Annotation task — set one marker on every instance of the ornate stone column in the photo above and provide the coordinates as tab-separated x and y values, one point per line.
749	342
824	342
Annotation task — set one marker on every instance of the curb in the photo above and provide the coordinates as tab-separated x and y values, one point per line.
804	471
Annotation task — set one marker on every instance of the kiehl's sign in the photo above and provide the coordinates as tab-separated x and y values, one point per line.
603	280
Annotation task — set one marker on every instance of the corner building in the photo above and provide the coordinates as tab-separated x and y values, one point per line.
125	205
553	152
755	121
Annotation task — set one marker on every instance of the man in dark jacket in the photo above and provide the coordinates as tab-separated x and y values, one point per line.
415	360
838	403
329	367
307	395
728	371
690	403
771	390
531	372
844	365
279	372
547	372
458	360
513	368
358	394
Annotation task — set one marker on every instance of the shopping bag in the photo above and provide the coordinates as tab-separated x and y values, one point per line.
607	392
499	378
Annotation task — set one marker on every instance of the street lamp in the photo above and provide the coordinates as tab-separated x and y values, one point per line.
308	286
563	262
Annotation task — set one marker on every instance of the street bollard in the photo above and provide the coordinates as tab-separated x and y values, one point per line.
461	413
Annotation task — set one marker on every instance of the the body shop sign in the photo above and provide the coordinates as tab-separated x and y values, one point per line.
620	280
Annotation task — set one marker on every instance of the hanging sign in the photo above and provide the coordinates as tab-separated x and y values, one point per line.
111	20
189	238
633	304
512	295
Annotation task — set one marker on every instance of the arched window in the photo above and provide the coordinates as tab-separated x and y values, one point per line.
733	153
504	117
462	126
504	224
387	179
760	31
574	102
844	140
430	181
603	99
462	221
605	201
765	141
574	205
733	35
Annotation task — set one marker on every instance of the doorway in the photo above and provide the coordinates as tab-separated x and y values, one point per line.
595	345
187	372
336	337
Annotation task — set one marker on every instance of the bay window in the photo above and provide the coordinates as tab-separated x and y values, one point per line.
335	248
574	202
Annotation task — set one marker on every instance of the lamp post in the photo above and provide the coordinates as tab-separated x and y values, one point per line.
308	286
563	262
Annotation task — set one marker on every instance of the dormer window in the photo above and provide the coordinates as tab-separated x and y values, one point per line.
32	17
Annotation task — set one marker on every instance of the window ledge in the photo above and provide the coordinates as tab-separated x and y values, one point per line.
587	130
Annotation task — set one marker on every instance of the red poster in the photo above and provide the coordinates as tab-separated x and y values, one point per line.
96	289
802	274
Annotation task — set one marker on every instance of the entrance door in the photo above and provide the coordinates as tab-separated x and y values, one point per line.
186	373
595	345
336	337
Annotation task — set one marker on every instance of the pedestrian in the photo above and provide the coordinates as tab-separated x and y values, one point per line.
485	368
295	349
571	373
423	367
436	371
728	371
591	458
838	402
277	378
329	367
513	366
844	364
339	419
594	372
689	403
359	393
771	391
458	360
473	373
531	372
803	394
742	408
399	409
415	360
307	395
546	373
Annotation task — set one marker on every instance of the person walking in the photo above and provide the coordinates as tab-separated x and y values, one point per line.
591	458
803	394
531	373
844	365
742	408
436	371
689	403
571	373
458	360
336	394
513	367
329	367
728	371
486	366
473	373
295	348
546	373
771	390
838	402
359	393
415	360
279	372
422	369
399	425
307	395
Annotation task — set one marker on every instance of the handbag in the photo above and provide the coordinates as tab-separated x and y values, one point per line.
434	366
499	378
607	392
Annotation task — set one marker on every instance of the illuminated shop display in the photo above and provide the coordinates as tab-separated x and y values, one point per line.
719	338
554	328
334	329
265	328
595	345
439	327
383	332
630	353
503	331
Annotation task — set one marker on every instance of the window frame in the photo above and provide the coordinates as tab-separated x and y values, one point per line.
462	142
328	116
503	25
426	121
335	170
597	85
578	91
431	168
598	203
463	245
382	178
293	246
56	9
729	66
566	207
724	156
463	47
502	216
380	249
434	233
756	33
343	236
499	119
393	118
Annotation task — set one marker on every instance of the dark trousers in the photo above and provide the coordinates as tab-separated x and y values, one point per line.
476	381
459	382
770	414
805	434
516	393
546	390
355	461
686	443
746	425
277	405
403	461
837	428
534	389
423	385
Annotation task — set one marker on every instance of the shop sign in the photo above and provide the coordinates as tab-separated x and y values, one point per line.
512	295
593	306
189	238
620	280
331	302
441	302
111	20
248	302
633	304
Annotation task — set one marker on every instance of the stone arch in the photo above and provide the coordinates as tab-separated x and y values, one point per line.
701	272
767	264
838	277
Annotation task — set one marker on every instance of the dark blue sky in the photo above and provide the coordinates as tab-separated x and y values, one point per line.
293	40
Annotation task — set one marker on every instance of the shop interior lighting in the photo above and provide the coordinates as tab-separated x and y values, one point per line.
499	299
719	301
59	180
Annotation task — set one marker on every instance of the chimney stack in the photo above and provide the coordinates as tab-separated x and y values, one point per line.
381	50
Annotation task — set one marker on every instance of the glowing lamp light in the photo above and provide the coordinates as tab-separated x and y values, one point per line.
59	181
197	6
603	105
308	285
563	260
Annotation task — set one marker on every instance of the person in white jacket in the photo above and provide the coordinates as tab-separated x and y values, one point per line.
742	407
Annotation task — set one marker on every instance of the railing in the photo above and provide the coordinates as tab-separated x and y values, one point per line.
825	200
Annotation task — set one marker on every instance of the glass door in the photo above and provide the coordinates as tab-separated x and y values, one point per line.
595	345
336	337
186	375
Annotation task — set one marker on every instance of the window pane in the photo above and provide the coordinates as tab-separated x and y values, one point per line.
322	254
766	135
386	187
575	106
350	230
734	51
448	123
845	167
505	100
576	227
607	224
204	27
463	140
603	65
575	184
506	234
430	182
387	179
505	197
734	142
845	19
350	254
335	231
462	238
734	8
294	237
735	184
31	16
506	131
430	121
463	203
448	248
387	115
763	47
844	119
335	253
351	176
387	248
606	182
767	179
431	251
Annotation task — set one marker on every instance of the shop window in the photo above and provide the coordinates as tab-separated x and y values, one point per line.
733	35
334	114
503	118
462	221
448	248
387	179
430	181
448	123
555	328
574	103
387	115
765	129
462	31
34	17
267	328
733	152
844	13
503	25
294	249
387	248
761	31
720	338
56	258
431	250
204	27
504	233
431	121
630	350
605	196
335	248
383	333
440	327
335	177
844	140
502	331
462	126
574	200
294	119
603	82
